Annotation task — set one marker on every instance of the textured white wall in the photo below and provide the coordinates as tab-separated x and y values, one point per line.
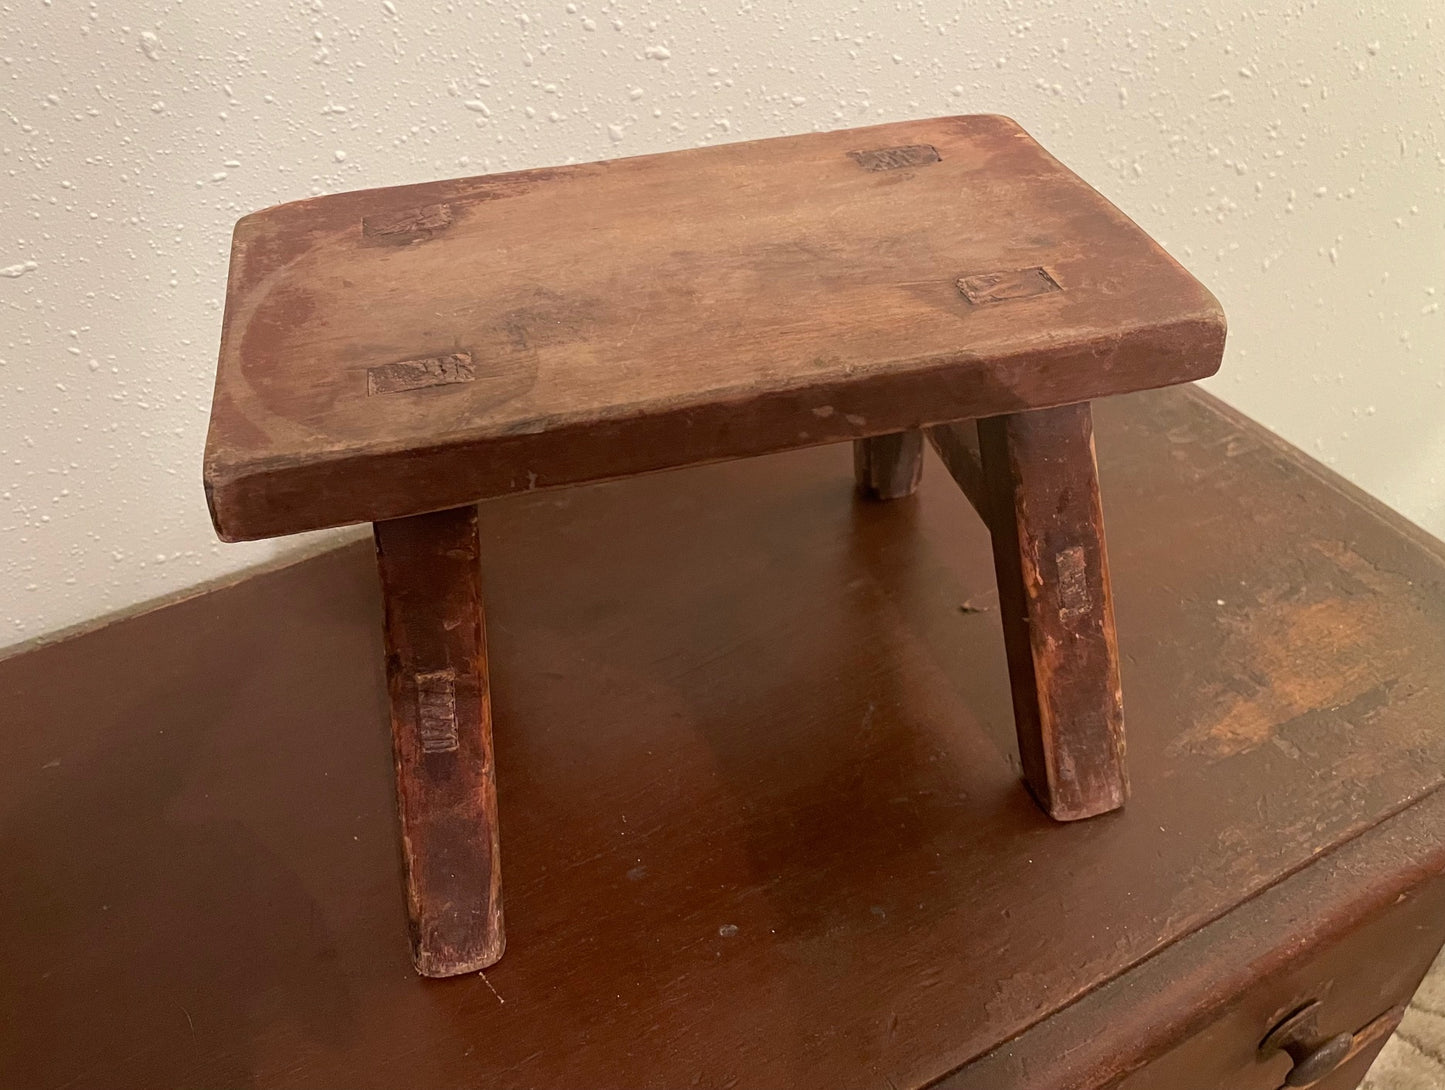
1290	153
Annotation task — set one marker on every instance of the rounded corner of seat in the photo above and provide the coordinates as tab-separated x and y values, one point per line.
217	485
1010	125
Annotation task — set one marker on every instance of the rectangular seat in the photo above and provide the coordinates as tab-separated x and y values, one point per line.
414	348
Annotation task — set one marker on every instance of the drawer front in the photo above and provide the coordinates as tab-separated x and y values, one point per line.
1360	983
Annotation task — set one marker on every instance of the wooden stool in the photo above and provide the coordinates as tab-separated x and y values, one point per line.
395	355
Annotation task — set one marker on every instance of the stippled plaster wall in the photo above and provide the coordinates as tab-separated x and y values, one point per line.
1290	153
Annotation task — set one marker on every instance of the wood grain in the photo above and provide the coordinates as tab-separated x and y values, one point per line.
1033	480
441	721
888	467
1057	608
671	309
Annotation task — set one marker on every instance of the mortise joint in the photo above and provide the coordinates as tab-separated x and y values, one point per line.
403	375
910	155
1074	598
1000	287
436	705
412	225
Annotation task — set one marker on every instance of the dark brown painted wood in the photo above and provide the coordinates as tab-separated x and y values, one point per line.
1057	607
400	350
729	698
441	722
888	467
1355	933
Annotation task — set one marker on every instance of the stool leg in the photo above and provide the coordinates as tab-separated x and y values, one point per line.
1042	490
441	722
888	467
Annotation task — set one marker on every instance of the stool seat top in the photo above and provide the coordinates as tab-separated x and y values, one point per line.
394	351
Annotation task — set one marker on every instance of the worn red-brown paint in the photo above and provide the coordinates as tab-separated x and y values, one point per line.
1033	479
441	720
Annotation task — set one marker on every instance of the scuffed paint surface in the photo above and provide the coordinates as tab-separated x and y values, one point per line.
1289	153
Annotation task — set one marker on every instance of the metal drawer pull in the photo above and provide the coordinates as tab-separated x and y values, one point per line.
1298	1037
